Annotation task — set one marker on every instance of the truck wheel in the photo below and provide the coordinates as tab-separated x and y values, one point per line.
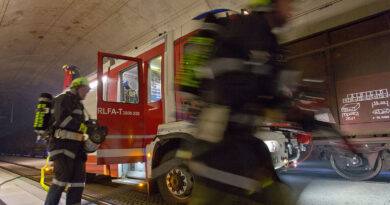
355	167
176	185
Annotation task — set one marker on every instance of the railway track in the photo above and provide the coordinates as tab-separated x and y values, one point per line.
96	192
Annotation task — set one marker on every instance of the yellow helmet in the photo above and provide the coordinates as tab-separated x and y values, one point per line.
261	5
79	81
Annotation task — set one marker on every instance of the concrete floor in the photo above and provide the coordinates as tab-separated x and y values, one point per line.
17	190
316	184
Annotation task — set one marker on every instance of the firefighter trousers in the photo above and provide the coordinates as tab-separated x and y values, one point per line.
69	172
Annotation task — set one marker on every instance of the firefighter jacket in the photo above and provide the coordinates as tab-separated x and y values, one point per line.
67	119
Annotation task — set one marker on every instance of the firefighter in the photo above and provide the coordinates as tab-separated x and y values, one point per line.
230	165
66	144
71	72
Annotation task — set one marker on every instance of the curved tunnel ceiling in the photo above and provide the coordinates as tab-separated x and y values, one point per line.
37	37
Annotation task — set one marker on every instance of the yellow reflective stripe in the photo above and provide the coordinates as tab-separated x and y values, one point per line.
42	181
201	40
83	128
40	115
183	154
200	49
259	2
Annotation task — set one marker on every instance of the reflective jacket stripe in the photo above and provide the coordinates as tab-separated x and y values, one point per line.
41	99
77	112
68	135
224	177
77	184
66	121
62	151
59	183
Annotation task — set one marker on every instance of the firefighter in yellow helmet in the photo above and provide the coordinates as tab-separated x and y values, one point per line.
66	142
230	164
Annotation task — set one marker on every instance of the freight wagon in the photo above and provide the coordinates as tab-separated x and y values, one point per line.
350	64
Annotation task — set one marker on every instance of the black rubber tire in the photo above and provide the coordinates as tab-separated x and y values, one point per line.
162	185
357	177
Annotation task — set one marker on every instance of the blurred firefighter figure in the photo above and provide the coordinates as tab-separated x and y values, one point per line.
66	144
244	84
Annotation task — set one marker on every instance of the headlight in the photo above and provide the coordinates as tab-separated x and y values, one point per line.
273	146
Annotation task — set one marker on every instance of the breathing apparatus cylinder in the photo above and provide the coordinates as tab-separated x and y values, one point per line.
42	115
96	135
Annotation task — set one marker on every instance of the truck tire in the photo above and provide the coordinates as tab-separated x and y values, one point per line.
176	185
353	173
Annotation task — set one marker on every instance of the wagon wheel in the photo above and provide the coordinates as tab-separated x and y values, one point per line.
355	167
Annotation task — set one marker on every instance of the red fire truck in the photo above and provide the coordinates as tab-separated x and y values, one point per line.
135	98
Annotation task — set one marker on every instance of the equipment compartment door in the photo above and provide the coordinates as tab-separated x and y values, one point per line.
120	107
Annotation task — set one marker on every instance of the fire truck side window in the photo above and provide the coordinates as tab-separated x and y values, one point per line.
154	79
129	90
120	80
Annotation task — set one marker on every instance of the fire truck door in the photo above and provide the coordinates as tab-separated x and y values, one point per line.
120	107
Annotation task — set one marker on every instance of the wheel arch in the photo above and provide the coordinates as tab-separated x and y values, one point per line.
169	142
166	143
